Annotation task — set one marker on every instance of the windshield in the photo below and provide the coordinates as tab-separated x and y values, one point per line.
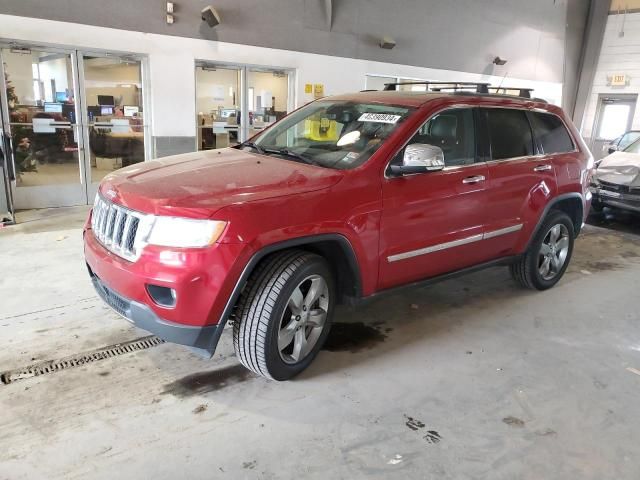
332	134
634	147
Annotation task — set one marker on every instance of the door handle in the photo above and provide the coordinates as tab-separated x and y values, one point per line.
474	179
542	168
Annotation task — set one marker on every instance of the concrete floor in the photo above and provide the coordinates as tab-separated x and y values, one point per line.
469	378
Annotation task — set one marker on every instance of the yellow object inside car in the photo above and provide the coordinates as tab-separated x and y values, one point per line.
321	130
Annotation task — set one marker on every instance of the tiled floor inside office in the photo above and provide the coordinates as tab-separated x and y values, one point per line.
469	378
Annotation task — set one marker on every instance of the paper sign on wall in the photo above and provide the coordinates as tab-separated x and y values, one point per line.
218	93
318	90
267	99
308	88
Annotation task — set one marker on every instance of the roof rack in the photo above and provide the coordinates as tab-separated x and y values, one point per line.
441	86
522	92
466	87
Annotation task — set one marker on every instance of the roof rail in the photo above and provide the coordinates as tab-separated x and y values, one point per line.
466	87
440	86
522	92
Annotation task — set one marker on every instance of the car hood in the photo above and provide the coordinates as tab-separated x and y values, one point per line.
621	168
198	184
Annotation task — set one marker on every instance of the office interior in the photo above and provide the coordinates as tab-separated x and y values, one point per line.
219	102
52	111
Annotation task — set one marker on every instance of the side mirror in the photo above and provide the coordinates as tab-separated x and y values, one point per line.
612	148
420	158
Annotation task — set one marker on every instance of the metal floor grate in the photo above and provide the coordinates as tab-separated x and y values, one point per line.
51	366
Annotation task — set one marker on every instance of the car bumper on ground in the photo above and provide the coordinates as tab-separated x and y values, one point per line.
200	281
621	200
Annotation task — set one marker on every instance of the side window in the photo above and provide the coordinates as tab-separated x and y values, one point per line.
628	139
452	131
551	133
509	133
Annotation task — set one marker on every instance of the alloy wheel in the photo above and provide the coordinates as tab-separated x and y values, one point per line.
304	319
553	251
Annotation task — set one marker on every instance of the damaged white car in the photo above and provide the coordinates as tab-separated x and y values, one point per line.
616	181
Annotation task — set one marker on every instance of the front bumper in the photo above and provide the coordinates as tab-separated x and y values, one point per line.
621	200
203	281
202	339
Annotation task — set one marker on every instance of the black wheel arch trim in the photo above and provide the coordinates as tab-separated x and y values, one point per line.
549	206
344	243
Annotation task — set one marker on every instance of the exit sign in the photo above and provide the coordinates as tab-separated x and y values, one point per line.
618	80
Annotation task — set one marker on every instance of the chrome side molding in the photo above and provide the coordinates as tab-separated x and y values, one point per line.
454	243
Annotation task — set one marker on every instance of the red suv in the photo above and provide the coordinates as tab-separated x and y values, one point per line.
341	200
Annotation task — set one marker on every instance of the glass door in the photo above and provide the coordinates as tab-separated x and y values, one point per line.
218	105
113	113
613	118
41	112
268	97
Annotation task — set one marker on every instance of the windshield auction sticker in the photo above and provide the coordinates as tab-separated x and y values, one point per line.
379	118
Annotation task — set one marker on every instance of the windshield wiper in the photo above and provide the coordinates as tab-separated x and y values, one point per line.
290	153
253	145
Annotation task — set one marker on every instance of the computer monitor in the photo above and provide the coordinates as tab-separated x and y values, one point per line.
104	110
93	112
131	110
69	112
227	112
61	97
106	100
52	107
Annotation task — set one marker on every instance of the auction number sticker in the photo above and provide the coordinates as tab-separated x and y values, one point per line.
379	118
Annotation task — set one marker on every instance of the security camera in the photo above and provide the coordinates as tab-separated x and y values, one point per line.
387	43
499	61
211	16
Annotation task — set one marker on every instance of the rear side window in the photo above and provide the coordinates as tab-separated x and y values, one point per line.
551	133
509	133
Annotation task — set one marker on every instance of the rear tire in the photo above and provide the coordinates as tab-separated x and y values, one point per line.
284	314
548	255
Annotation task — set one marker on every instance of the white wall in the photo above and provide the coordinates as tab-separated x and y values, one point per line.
619	55
172	63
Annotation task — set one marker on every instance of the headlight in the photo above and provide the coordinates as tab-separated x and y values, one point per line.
184	232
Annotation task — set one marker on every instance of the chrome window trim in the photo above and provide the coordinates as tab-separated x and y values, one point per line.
454	243
492	161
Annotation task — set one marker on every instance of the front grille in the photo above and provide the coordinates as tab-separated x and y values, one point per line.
612	187
118	228
111	298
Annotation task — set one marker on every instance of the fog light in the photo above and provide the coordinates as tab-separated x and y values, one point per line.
163	296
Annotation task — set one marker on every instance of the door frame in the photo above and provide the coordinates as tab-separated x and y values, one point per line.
624	97
244	70
87	189
92	187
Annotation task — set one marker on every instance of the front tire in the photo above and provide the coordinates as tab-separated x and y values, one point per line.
549	253
284	314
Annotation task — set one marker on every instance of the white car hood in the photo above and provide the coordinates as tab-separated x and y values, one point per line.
621	168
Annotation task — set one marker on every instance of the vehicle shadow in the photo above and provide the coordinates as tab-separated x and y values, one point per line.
619	220
395	321
425	314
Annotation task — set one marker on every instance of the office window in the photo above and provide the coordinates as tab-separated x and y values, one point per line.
509	133
551	133
452	131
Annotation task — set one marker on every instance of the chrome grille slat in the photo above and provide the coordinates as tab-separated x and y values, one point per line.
118	228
